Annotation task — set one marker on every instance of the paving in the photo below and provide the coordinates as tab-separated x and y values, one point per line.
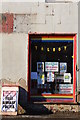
54	116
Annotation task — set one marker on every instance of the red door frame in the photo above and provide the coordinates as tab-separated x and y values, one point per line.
74	62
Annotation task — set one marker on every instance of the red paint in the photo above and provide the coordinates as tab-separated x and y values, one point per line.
6	26
28	73
74	73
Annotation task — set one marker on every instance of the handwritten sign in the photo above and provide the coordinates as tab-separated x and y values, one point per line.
9	99
65	88
51	66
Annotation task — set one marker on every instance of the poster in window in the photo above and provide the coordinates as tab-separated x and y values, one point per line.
63	67
65	88
40	66
34	75
50	76
51	66
67	77
40	78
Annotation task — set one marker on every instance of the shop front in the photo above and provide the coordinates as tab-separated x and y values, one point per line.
52	68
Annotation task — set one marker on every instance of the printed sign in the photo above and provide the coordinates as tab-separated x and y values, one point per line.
63	67
65	88
9	99
50	77
67	77
33	75
40	66
51	66
40	78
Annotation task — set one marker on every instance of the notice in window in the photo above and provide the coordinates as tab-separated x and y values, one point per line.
51	66
40	78
50	77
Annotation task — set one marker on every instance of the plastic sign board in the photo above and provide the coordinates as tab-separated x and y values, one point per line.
51	66
67	77
40	78
9	99
50	77
66	88
63	67
40	66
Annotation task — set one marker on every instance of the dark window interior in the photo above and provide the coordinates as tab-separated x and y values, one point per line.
38	55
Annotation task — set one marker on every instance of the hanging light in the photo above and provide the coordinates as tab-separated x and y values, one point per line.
48	49
36	47
53	49
42	48
59	49
65	47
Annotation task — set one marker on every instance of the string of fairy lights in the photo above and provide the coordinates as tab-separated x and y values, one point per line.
53	49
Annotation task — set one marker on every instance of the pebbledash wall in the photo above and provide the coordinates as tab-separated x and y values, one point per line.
19	19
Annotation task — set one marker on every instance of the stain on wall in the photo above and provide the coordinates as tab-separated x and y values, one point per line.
6	23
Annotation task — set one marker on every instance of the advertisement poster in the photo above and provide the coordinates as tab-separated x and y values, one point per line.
34	75
9	100
40	78
51	66
67	77
66	88
50	77
63	67
40	66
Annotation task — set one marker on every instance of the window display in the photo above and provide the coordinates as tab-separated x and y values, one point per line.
52	63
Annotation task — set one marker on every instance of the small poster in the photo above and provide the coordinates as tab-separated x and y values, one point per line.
66	88
63	67
40	78
50	77
34	75
67	77
9	99
51	66
40	66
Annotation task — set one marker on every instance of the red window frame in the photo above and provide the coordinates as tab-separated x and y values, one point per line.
74	62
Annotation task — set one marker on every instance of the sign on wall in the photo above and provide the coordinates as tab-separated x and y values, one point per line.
66	88
63	67
40	66
51	66
50	77
9	99
67	77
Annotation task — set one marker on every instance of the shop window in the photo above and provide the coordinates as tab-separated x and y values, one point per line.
52	67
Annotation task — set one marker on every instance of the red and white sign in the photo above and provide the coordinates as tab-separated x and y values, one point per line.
51	66
66	88
9	99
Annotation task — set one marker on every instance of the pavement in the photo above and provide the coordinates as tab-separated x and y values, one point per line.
54	116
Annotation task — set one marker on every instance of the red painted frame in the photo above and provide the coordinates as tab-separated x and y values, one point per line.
74	67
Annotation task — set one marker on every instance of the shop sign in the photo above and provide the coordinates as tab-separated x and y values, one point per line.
40	78
9	99
63	67
67	77
40	66
65	88
34	75
50	77
51	66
